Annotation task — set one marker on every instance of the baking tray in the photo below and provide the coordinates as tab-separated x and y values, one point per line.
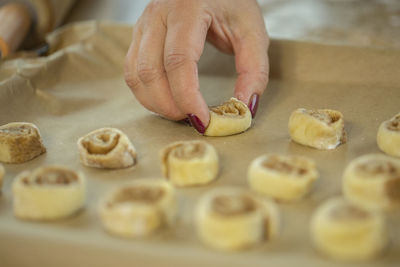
79	87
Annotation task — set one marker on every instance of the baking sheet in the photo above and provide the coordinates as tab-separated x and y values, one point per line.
79	88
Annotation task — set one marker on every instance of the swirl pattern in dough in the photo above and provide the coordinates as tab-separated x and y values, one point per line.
20	142
189	163
138	208
388	137
107	148
233	219
372	181
232	117
347	232
321	128
287	178
48	193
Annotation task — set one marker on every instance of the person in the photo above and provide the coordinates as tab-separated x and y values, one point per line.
168	40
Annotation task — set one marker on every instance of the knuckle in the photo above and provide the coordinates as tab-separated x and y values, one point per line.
148	72
174	60
131	79
132	82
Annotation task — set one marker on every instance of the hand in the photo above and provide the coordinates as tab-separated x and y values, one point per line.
168	40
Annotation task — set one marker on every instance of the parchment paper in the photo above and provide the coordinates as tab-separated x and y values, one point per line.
79	87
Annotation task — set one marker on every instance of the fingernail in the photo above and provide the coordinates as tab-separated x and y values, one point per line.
253	104
185	121
196	123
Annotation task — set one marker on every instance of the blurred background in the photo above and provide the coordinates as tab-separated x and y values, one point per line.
354	22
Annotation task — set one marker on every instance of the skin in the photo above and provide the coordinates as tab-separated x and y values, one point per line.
168	40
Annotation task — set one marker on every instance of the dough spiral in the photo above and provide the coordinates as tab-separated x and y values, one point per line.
388	137
232	117
372	181
138	208
281	177
107	148
321	128
346	232
189	163
20	142
233	219
48	193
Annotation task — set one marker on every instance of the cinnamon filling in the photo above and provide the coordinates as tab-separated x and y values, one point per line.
53	177
142	193
189	150
379	167
101	143
324	116
392	187
347	211
20	130
394	124
230	108
233	205
277	164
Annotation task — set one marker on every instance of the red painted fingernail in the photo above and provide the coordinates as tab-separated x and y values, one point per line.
253	104
196	123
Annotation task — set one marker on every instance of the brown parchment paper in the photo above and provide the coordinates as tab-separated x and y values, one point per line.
79	87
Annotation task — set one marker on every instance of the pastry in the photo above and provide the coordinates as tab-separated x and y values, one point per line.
48	193
233	219
321	129
189	163
1	175
373	182
230	118
388	137
107	148
20	142
139	208
346	232
282	177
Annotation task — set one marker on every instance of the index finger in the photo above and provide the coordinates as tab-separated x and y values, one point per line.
184	45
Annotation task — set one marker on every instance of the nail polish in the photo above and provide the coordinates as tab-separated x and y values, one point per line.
196	123
253	104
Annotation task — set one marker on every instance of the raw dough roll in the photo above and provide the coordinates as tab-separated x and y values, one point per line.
139	208
373	182
48	193
107	148
232	117
346	232
232	219
1	175
20	142
388	137
189	163
282	177
322	128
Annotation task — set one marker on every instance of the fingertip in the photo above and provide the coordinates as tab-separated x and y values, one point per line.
241	96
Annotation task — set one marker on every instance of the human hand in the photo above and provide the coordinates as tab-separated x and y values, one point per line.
168	40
